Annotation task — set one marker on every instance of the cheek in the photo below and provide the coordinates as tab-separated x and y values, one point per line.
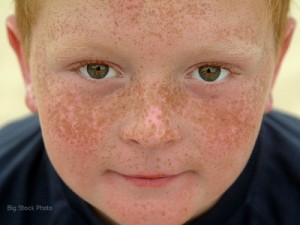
225	128
76	125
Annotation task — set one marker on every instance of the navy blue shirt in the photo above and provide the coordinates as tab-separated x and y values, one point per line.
266	193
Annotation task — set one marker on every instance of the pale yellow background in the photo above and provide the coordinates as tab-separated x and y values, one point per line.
12	106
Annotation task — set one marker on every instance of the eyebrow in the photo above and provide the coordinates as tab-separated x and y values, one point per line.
233	51
59	48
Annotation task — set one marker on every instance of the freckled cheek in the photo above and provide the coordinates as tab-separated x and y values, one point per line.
225	130
226	147
76	126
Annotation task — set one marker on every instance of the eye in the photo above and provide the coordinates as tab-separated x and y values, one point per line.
98	71
210	73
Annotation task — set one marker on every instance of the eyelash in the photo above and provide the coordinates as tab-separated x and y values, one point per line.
76	66
225	66
232	70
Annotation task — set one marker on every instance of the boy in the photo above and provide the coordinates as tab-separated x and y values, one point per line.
150	112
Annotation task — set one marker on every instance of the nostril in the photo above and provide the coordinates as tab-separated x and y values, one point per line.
170	142
155	140
134	141
129	138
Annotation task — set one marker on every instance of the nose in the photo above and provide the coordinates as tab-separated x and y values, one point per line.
151	129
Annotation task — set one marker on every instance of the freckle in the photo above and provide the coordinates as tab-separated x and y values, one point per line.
170	162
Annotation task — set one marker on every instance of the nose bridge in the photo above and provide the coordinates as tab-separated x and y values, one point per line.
153	123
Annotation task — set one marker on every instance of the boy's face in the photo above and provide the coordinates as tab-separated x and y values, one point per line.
157	140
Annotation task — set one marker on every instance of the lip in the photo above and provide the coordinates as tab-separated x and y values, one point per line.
152	181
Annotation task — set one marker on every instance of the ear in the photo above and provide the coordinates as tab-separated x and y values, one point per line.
288	34
17	45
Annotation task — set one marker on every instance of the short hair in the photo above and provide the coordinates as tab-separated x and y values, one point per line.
26	13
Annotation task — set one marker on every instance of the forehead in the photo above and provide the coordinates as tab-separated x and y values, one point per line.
152	22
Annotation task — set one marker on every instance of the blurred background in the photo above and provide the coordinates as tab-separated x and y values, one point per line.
286	95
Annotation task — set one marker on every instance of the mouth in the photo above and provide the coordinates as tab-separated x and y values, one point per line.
149	180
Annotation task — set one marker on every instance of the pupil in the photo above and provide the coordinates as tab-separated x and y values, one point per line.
211	70
209	74
97	71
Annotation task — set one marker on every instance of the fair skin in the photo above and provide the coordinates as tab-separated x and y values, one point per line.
151	143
